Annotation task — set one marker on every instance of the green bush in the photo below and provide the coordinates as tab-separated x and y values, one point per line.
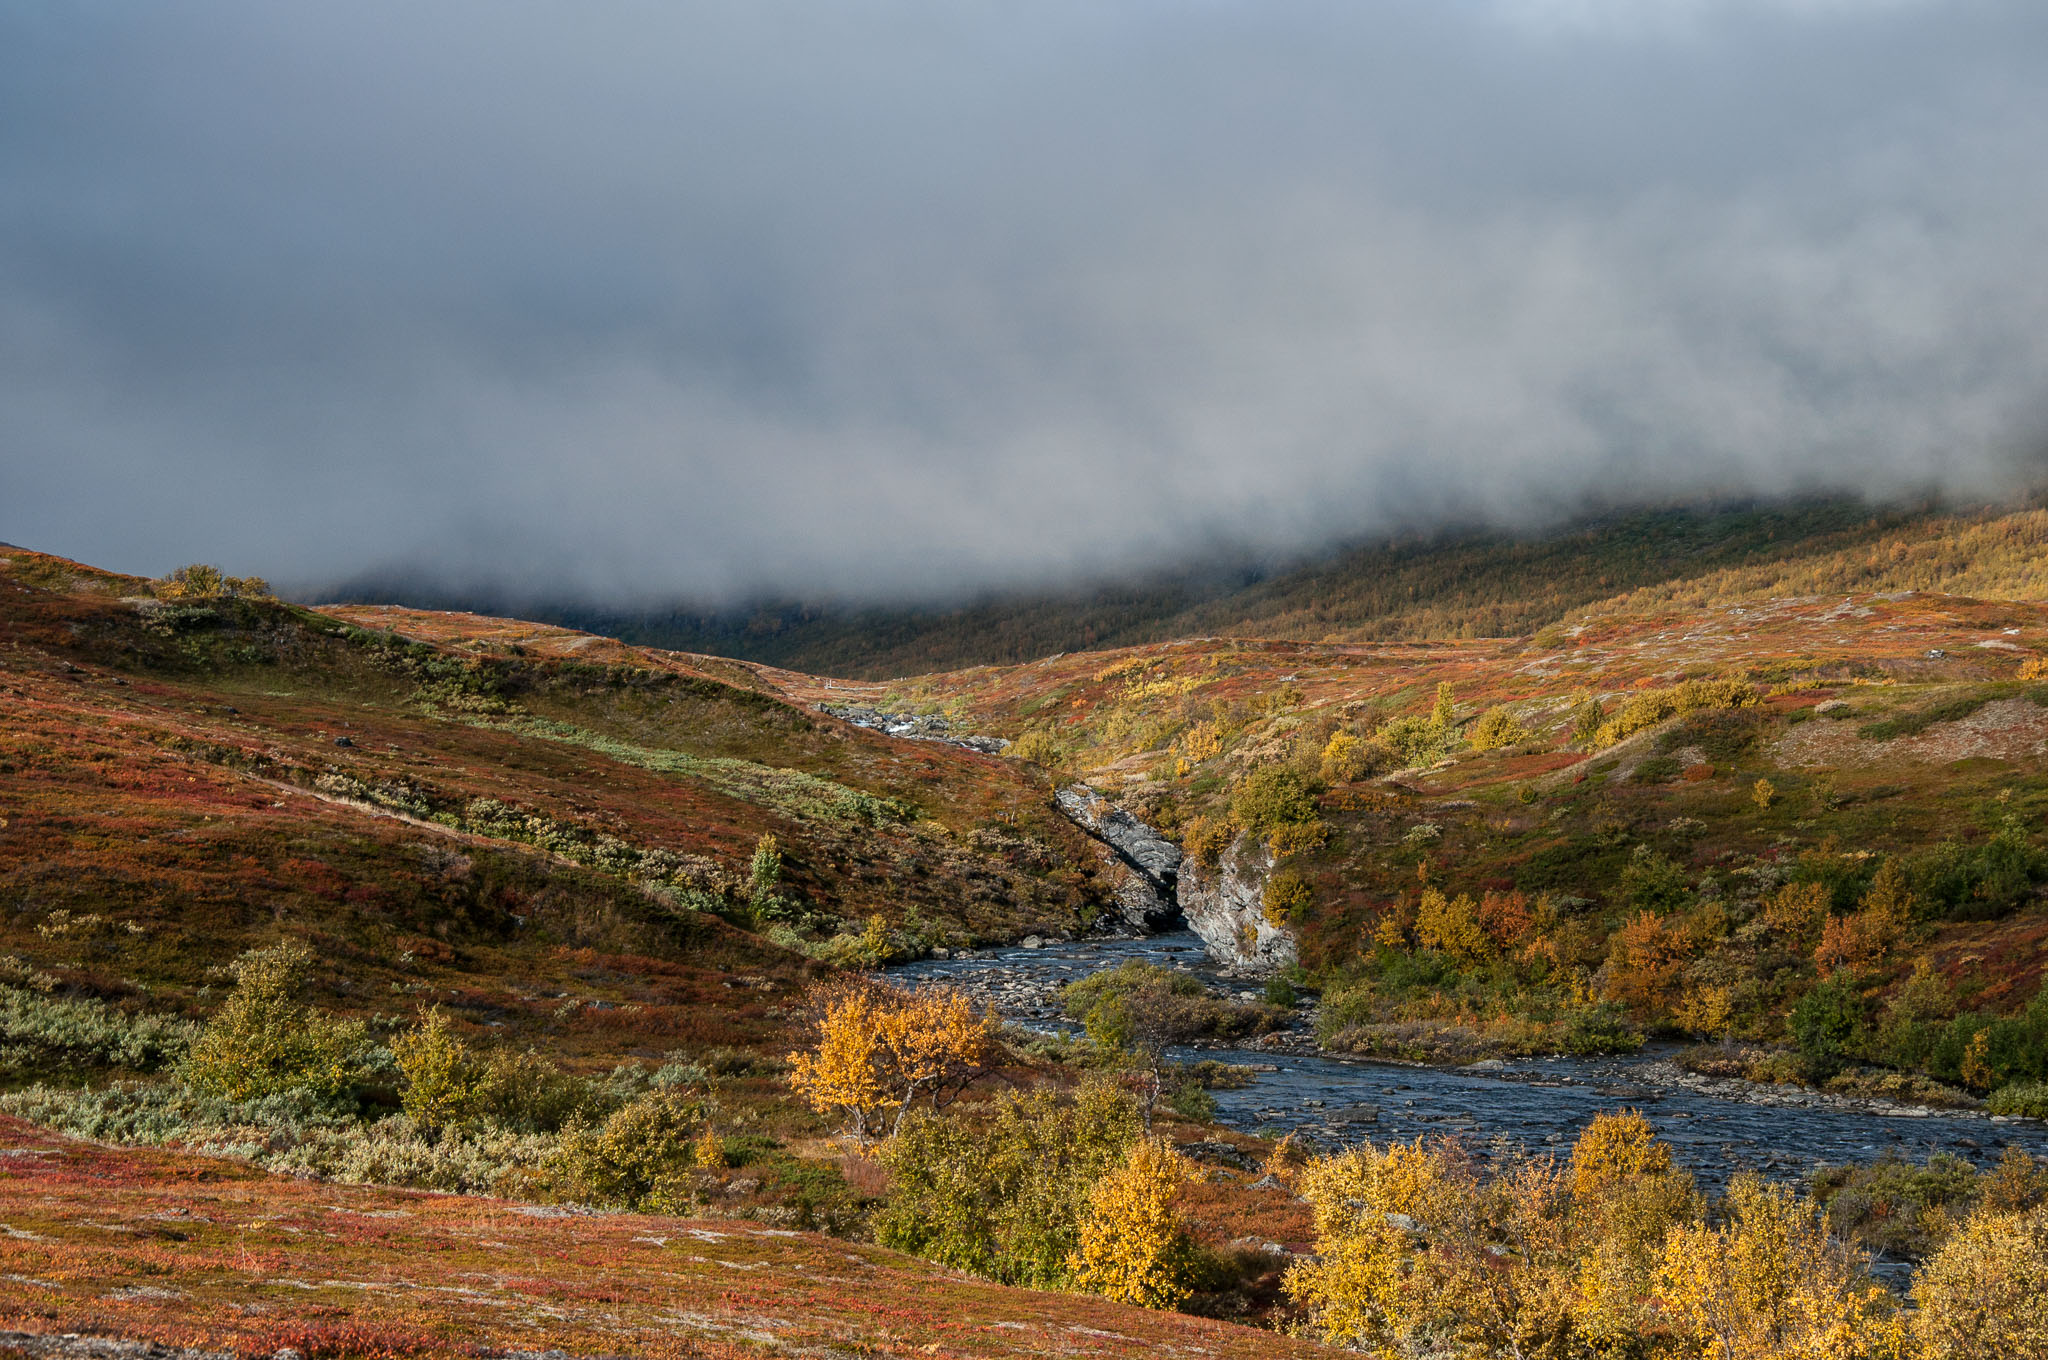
264	1040
1826	1024
1652	882
1599	1029
2027	1098
1271	798
1139	1005
47	1035
639	1158
1006	1201
1980	882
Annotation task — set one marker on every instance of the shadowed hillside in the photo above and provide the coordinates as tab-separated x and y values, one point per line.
1454	586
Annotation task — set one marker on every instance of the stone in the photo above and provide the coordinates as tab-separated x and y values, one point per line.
1148	863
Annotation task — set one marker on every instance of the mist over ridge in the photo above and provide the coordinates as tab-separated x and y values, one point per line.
892	302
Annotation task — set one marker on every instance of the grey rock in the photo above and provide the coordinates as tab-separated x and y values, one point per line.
1224	905
1149	863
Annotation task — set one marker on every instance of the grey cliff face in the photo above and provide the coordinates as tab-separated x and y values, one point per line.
1224	905
1150	863
1161	888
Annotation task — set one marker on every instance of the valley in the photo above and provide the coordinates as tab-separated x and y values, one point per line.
1766	867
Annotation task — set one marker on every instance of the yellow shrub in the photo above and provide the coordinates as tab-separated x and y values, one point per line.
1206	837
1980	1296
1613	1149
1297	838
1133	1246
1346	758
1285	894
1647	708
1796	912
1201	742
1497	728
1451	926
443	1082
1771	1284
265	1040
880	1045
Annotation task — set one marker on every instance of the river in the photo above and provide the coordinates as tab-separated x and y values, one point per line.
1715	1129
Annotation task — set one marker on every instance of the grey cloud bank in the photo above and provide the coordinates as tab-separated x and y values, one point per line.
637	300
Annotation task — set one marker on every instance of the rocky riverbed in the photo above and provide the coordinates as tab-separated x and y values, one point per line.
1715	1126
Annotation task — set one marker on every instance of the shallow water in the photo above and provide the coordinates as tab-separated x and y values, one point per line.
1536	1102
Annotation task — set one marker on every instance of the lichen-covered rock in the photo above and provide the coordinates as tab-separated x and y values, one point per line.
1224	904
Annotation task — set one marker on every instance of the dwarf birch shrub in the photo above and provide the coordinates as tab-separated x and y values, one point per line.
265	1041
1980	1296
1005	1201
880	1047
1497	728
640	1157
1133	1246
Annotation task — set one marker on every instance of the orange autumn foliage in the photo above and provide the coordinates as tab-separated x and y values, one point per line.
880	1045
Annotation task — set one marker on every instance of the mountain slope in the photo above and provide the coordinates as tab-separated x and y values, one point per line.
1451	586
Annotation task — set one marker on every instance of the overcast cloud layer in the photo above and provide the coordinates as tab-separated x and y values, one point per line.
863	298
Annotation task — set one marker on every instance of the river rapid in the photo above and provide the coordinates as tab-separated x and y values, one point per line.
1715	1128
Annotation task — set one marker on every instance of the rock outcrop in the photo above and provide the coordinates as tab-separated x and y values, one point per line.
916	726
1225	906
1146	890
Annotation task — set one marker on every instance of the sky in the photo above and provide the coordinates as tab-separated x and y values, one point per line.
641	300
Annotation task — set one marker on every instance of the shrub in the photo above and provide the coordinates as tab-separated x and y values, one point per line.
1450	925
469	1161
1275	796
1980	1295
1286	896
1593	1030
42	1034
1039	746
1613	1150
1346	758
1980	882
1143	1006
202	582
1132	1245
1771	1282
1496	728
1825	1023
1652	882
264	1040
2028	1098
881	1046
1005	1202
639	1157
1645	959
1587	719
443	1083
1646	708
1796	912
1412	741
1206	838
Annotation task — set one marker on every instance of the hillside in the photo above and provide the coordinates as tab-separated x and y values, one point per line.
592	884
1647	873
195	1253
1450	586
